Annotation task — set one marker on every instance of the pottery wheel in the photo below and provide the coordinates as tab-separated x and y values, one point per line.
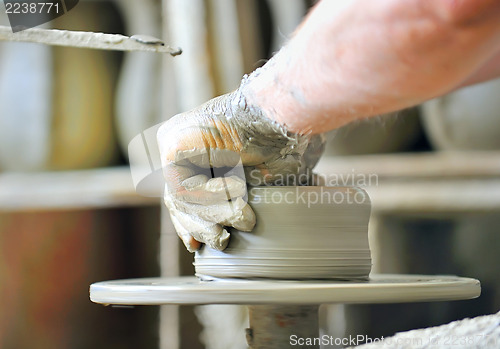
297	257
379	289
279	309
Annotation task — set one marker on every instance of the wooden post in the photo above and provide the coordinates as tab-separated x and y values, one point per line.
279	326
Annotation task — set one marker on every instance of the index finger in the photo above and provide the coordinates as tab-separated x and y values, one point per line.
201	140
188	184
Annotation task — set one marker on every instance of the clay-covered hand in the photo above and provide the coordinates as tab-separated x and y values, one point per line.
210	153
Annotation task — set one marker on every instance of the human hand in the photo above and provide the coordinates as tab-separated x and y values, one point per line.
210	153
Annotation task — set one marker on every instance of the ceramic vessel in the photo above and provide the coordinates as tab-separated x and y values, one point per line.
468	119
386	133
301	233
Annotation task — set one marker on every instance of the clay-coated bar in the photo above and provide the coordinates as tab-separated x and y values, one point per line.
82	39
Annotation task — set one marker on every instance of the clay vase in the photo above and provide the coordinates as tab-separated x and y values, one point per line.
57	103
25	105
468	119
301	233
138	96
387	133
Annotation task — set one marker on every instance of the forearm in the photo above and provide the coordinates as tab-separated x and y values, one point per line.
488	71
355	59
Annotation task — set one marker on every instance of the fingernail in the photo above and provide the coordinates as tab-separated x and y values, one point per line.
193	245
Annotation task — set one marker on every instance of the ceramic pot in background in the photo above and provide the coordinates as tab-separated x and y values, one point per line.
468	119
57	103
383	134
139	94
25	105
84	84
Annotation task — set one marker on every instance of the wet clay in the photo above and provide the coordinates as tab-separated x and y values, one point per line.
301	233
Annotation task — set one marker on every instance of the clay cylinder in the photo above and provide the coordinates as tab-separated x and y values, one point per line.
301	233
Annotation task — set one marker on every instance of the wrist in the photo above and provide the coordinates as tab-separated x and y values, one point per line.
248	112
259	133
267	89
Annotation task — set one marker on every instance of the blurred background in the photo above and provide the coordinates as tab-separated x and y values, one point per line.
69	215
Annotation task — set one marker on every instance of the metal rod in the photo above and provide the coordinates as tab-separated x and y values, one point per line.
82	39
280	326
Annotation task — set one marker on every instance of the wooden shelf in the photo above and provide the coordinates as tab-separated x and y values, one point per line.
416	165
405	183
423	183
436	197
98	188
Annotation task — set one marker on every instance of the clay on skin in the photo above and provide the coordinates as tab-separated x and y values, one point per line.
221	133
